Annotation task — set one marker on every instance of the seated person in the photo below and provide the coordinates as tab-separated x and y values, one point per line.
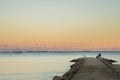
98	56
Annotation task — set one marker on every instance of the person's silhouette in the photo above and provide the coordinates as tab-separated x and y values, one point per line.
98	56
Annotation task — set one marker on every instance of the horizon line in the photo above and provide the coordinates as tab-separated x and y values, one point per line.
63	51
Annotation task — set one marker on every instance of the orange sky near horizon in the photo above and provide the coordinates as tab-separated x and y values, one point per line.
59	25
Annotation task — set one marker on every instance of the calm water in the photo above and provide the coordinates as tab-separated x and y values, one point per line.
41	66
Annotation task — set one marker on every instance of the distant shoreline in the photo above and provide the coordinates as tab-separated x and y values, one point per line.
52	51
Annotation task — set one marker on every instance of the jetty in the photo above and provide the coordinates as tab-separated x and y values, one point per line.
89	68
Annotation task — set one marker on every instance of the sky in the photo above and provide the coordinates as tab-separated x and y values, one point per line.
59	25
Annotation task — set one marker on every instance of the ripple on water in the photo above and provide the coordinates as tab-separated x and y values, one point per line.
30	76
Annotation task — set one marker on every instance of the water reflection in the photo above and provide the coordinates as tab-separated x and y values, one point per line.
42	66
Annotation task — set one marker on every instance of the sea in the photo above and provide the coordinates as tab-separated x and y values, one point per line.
43	65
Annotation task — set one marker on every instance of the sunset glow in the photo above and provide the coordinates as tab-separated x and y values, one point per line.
59	25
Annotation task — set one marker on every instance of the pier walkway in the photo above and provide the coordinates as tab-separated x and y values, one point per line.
91	69
94	69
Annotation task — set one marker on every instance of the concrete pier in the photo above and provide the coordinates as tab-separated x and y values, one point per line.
91	69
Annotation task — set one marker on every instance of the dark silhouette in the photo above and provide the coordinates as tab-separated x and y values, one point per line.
98	56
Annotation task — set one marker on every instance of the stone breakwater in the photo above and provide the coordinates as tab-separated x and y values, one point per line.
73	70
91	69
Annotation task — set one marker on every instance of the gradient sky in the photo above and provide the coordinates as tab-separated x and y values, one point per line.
60	24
